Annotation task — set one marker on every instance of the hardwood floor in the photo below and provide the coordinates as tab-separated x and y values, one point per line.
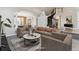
75	44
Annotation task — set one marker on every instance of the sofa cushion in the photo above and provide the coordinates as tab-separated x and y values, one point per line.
40	28
60	36
46	29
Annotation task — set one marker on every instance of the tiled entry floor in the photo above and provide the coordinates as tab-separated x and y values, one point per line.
75	44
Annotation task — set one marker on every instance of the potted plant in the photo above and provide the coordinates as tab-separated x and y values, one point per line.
2	23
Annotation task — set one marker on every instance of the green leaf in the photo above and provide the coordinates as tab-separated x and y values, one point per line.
8	20
1	23
7	25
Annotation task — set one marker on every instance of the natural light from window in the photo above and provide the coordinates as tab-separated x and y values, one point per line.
77	19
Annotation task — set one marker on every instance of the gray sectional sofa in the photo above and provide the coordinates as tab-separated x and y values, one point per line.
56	41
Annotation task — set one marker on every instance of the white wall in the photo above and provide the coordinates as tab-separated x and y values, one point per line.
77	12
42	20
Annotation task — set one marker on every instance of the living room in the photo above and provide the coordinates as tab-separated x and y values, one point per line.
25	20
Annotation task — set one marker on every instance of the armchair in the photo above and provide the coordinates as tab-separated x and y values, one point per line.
21	30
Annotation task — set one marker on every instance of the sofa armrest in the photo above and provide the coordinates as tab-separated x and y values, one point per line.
68	40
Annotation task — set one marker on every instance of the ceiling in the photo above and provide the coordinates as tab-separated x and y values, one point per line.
37	10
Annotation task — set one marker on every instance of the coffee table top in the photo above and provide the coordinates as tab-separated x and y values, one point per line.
33	36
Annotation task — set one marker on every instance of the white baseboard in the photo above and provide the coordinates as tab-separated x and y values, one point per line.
10	35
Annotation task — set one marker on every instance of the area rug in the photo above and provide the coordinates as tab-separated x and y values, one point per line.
18	44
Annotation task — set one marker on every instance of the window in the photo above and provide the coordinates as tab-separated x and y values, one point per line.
77	19
21	20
